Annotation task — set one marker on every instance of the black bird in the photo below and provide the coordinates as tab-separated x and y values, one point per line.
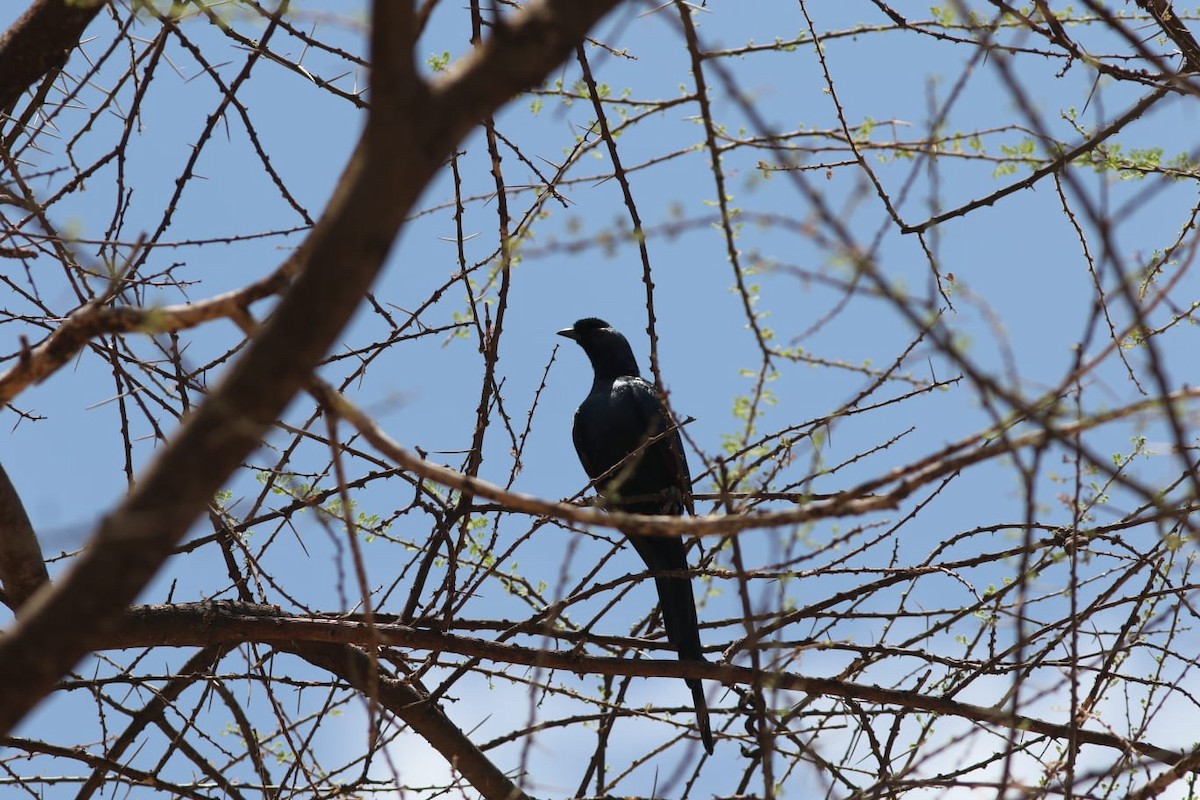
619	415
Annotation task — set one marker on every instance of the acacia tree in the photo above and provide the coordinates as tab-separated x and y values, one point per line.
944	538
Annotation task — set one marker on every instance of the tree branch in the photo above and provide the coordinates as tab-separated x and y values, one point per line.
209	624
353	666
22	567
409	134
39	42
95	319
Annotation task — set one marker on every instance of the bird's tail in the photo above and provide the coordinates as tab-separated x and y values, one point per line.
683	630
678	607
701	713
679	617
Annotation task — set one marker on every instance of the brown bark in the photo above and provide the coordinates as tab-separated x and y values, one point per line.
40	41
333	645
22	569
411	129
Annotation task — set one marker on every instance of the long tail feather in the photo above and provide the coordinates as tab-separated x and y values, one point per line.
701	714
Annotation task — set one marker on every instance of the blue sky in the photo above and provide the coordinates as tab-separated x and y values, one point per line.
1021	295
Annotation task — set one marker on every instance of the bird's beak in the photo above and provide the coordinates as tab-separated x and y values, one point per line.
569	333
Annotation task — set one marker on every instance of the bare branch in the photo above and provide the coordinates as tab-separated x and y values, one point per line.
40	41
400	150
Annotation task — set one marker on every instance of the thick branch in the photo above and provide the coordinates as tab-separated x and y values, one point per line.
353	666
1174	28
90	321
40	41
409	134
22	568
207	624
712	525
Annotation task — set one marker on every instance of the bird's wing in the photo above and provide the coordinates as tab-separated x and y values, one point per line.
668	450
666	460
581	448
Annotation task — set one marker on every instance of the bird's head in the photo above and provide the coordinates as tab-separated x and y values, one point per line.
588	329
606	348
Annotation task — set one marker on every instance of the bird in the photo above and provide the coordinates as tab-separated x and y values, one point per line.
611	428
